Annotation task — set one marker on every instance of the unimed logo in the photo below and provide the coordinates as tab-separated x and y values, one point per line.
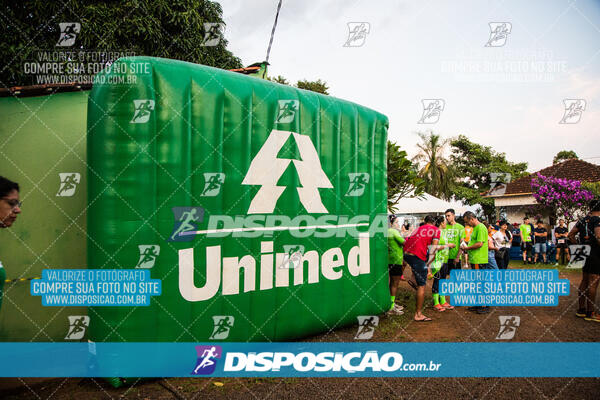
230	270
270	269
266	169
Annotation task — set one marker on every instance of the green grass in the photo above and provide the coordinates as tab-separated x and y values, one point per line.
518	264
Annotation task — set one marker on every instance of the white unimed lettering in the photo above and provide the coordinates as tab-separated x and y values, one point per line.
319	362
228	269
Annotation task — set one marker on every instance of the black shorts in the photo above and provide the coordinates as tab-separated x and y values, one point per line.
453	264
395	269
562	245
592	264
526	246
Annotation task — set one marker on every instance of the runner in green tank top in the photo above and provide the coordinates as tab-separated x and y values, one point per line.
455	233
395	259
439	266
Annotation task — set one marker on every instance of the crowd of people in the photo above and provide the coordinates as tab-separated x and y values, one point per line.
538	242
440	244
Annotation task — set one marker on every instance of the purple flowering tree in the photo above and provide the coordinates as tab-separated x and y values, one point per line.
565	197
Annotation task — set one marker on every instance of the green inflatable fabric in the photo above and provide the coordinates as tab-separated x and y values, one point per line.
162	134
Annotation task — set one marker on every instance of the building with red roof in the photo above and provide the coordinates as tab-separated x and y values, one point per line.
515	200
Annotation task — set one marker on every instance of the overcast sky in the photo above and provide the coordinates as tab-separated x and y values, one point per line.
507	96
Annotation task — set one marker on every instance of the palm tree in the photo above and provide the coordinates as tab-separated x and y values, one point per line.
435	167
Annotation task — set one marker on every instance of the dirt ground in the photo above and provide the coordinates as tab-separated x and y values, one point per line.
538	324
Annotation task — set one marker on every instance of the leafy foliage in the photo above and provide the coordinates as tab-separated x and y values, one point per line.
402	177
315	86
279	79
473	164
593	187
563	156
434	166
160	28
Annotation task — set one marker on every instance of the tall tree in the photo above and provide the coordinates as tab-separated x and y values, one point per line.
563	156
434	166
402	177
474	165
160	28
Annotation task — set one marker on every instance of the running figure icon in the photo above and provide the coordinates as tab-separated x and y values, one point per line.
366	327
187	217
223	324
208	355
207	359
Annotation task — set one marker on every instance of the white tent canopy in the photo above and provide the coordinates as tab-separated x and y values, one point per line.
428	204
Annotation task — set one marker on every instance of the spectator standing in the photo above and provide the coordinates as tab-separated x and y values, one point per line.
502	241
526	245
541	237
491	247
477	249
562	247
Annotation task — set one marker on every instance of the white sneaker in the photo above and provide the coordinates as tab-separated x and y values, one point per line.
394	311
397	307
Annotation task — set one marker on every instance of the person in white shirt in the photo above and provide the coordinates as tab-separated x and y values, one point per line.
502	241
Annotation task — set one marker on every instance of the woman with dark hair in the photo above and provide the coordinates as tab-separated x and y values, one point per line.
502	241
406	229
491	247
10	207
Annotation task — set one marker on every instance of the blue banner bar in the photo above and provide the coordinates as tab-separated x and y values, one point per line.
299	359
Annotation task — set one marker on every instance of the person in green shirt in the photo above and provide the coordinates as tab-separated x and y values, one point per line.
526	244
395	259
439	266
477	249
455	233
10	207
